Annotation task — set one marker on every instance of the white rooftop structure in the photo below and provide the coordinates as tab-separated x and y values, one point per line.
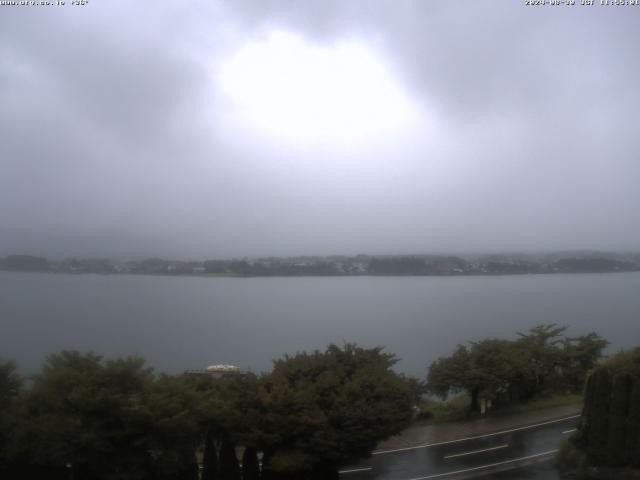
222	368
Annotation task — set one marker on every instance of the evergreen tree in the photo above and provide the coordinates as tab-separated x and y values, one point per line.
109	419
598	420
10	389
266	471
189	468
250	469
609	431
581	436
229	468
620	398
210	459
325	409
632	448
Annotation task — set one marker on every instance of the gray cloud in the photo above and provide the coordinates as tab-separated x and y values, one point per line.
114	139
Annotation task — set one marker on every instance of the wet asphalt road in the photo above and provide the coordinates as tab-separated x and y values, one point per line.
523	452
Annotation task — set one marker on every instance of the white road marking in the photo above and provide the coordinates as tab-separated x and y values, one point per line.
353	470
426	445
569	431
477	451
437	475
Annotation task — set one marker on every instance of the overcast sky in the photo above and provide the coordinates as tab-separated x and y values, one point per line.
247	128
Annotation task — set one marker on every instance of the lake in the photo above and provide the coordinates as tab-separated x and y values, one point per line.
180	323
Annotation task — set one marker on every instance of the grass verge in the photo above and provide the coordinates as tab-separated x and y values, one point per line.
456	409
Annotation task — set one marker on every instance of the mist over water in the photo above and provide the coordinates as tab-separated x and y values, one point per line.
181	323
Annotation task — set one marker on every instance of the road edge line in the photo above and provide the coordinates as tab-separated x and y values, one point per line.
427	445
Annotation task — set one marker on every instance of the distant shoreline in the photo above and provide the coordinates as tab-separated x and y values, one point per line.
368	275
340	265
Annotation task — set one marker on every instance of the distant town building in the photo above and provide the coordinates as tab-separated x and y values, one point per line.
217	371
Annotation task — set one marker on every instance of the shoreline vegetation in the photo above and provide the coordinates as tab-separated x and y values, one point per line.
340	265
90	418
454	410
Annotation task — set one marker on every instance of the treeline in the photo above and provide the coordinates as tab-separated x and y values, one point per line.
494	266
418	266
87	418
609	431
25	263
336	265
496	372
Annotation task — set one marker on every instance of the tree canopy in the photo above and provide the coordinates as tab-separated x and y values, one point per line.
94	419
105	420
515	370
609	429
328	408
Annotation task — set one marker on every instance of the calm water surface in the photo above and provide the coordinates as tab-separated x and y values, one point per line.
189	322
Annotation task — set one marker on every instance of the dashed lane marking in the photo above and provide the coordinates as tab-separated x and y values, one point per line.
497	464
354	470
476	451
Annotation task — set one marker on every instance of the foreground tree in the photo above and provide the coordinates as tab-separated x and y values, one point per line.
210	458
230	413
581	355
10	389
453	374
504	371
96	419
78	418
325	409
250	467
540	347
174	410
485	371
609	431
229	467
87	418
